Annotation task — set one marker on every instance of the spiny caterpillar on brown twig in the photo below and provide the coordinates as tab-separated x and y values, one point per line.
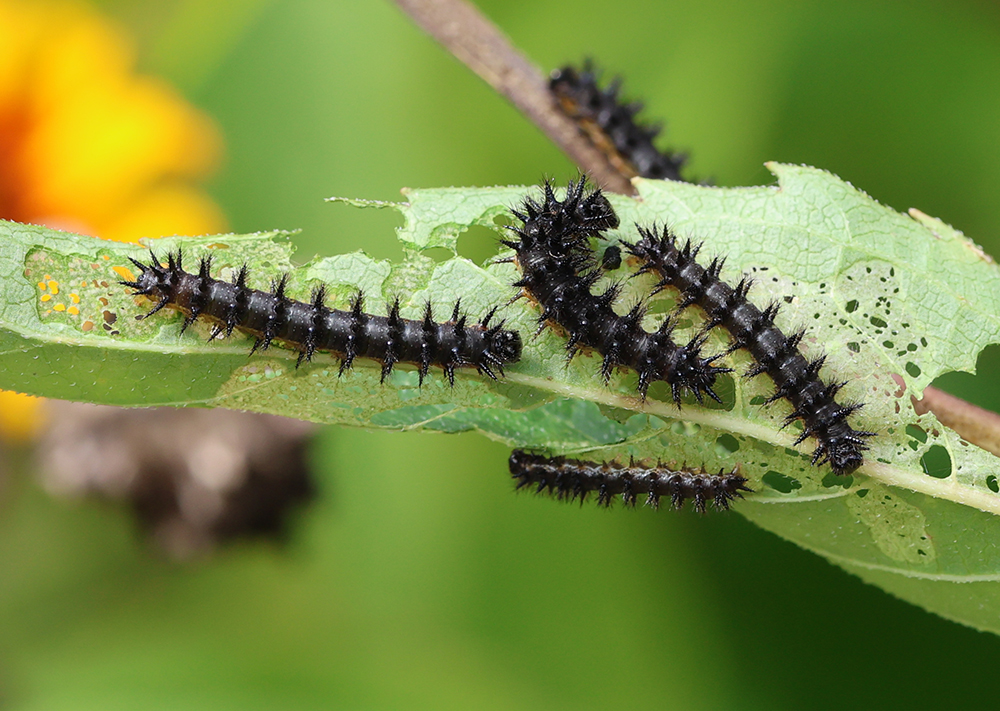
610	124
310	327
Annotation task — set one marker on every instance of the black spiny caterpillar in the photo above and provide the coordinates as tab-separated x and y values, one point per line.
558	269
571	479
310	327
795	378
610	125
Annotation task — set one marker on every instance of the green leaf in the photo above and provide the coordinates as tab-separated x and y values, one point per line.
892	300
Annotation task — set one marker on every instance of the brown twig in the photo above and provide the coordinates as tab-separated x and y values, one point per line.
478	43
973	423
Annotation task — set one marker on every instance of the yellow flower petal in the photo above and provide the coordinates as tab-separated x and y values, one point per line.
20	417
164	211
102	136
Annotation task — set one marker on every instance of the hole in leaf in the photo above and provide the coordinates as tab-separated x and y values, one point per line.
781	482
477	243
727	444
983	388
438	254
937	462
831	481
725	388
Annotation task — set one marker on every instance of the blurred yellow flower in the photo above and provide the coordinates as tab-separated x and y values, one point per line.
89	146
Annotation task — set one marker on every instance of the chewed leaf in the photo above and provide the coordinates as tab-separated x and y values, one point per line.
892	301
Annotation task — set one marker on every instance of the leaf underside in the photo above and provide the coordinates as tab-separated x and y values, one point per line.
893	301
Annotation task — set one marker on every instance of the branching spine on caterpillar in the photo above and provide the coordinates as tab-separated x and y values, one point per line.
572	479
310	327
558	270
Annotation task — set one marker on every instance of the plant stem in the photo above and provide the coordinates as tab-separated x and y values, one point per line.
973	423
480	45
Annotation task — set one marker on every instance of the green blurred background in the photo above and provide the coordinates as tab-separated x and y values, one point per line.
418	580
